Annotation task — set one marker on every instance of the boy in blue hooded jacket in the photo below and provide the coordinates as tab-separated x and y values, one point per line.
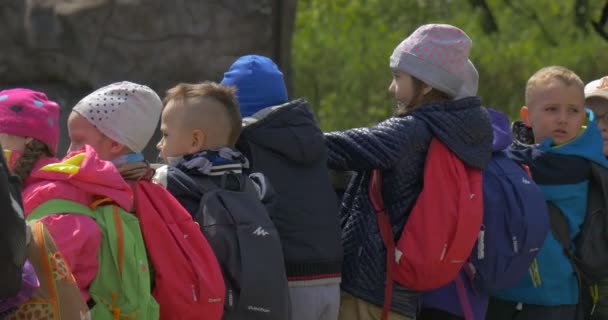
559	159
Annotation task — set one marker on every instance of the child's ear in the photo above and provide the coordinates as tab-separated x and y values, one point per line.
116	148
525	116
199	140
426	89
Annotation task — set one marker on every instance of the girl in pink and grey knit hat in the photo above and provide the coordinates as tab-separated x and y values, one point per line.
432	64
435	84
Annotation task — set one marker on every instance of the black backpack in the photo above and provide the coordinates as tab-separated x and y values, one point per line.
12	233
248	248
589	252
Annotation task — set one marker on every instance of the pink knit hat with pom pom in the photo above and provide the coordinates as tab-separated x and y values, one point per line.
438	55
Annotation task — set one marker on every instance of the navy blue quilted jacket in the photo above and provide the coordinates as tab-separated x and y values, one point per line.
398	147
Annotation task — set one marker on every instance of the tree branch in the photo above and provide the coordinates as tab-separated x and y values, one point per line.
532	15
600	25
580	14
489	21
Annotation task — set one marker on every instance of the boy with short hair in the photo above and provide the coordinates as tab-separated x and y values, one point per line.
200	125
560	163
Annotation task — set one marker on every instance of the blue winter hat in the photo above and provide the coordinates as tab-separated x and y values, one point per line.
258	81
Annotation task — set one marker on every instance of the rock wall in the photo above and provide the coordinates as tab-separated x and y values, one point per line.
68	48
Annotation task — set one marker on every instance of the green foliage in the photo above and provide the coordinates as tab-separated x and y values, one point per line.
341	50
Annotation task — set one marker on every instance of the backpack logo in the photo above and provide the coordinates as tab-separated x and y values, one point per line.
260	232
525	181
258	309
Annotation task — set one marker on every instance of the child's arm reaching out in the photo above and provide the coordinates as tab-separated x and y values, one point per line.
378	147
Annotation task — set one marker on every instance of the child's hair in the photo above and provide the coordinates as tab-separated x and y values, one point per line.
226	96
33	151
433	96
566	76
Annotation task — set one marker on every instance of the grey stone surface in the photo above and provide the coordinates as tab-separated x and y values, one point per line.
68	48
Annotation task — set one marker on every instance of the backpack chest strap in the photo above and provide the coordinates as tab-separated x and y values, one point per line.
59	206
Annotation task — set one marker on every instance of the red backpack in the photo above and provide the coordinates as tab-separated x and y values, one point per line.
188	281
442	227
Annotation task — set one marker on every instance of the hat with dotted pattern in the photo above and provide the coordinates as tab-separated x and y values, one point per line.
28	113
125	112
438	55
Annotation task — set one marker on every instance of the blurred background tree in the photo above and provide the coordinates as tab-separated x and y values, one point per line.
341	49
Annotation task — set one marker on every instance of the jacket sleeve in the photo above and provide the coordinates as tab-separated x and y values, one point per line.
12	233
78	238
378	147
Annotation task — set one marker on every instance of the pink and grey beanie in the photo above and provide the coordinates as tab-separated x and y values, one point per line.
438	55
29	113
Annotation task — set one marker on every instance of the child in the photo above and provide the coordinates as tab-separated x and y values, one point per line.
559	161
29	131
283	140
200	125
596	98
428	83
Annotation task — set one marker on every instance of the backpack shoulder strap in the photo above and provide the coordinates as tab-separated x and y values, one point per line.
598	188
559	227
57	206
206	184
386	233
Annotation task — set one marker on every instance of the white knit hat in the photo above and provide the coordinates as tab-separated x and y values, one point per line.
597	88
125	112
436	54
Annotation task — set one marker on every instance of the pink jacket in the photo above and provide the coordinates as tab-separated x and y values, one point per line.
83	178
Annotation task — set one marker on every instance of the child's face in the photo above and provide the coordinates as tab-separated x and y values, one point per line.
82	132
600	109
13	142
177	138
555	111
402	87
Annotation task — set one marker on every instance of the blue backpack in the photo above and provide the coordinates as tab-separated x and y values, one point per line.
515	225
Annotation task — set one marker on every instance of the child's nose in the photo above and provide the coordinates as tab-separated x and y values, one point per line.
563	117
391	87
73	147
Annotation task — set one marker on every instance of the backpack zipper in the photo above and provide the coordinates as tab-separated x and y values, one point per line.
535	274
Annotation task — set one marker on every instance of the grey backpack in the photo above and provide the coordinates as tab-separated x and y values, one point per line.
248	248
